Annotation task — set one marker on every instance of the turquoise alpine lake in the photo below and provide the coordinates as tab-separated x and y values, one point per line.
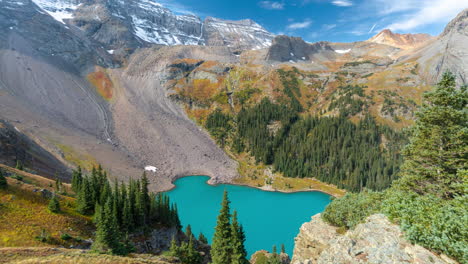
269	218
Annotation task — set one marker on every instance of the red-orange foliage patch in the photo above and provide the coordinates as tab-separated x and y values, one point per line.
102	82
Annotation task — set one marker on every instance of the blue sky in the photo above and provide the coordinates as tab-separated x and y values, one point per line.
330	20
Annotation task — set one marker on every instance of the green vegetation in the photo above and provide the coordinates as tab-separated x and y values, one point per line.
19	165
202	238
54	205
430	200
291	87
219	125
228	240
331	149
186	252
121	209
350	100
357	63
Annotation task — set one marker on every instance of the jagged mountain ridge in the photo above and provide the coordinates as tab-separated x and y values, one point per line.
138	118
130	24
402	41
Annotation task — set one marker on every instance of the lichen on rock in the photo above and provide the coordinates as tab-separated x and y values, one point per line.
377	240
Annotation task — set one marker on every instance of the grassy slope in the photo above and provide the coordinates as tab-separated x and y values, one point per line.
24	214
70	256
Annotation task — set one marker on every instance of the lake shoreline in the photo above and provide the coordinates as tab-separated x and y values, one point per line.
268	188
261	212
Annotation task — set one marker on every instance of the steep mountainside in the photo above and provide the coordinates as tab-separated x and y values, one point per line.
118	25
402	41
448	52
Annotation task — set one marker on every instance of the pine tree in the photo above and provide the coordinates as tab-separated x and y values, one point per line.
77	179
19	165
3	180
85	200
274	258
283	250
188	232
58	185
221	250
145	197
174	248
54	205
202	238
127	218
107	234
437	153
239	254
192	255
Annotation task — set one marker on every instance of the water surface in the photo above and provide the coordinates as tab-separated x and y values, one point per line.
269	218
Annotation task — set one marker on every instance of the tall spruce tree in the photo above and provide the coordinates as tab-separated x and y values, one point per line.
107	234
85	200
202	238
436	156
188	232
77	179
221	250
239	254
54	205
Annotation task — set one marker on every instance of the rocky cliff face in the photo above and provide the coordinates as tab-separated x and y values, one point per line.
292	49
119	24
448	52
402	41
375	241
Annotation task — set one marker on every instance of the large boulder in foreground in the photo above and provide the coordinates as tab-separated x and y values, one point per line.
377	240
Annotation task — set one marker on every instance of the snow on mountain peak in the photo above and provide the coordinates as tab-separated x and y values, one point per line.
58	9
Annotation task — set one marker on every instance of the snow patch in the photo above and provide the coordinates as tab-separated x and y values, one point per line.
151	168
343	51
59	10
110	51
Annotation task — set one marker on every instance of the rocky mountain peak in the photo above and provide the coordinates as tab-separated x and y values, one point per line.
402	41
293	49
119	24
459	23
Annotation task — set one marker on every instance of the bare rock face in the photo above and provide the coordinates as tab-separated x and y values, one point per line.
292	49
375	241
402	41
120	25
448	52
242	34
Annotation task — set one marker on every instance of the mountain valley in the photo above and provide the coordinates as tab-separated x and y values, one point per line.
135	87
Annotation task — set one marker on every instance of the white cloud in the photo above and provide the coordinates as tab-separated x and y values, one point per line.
342	2
328	26
428	12
271	5
300	25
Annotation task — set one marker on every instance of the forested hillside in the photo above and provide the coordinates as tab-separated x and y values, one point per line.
429	200
92	214
340	142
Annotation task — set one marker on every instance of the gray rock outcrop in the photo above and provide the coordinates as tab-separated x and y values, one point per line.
448	52
376	240
120	26
292	49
